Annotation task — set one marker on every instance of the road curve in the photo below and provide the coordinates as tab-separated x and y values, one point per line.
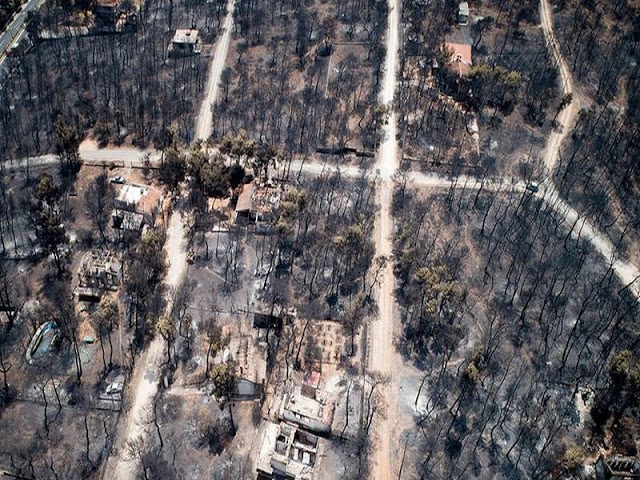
627	272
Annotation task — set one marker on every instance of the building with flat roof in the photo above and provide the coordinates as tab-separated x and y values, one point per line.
287	453
185	42
313	414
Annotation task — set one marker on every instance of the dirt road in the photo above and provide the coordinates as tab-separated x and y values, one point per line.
567	117
204	124
144	382
626	271
382	354
132	157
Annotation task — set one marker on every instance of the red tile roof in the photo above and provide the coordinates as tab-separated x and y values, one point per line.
461	57
149	201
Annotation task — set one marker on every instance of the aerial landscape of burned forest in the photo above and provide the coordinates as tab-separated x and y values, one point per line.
491	108
320	239
306	78
484	282
608	120
105	79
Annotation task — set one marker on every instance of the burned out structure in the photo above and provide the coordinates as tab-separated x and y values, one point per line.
258	204
135	206
251	366
185	42
99	271
617	468
266	320
292	446
287	453
313	412
108	11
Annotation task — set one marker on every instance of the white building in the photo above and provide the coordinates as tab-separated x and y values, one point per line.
287	452
185	42
310	413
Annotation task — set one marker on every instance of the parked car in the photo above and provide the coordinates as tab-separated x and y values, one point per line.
532	187
114	388
117	179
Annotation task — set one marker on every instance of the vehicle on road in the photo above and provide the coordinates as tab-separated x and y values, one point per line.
532	187
114	388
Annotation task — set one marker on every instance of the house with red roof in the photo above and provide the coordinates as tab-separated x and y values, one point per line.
460	60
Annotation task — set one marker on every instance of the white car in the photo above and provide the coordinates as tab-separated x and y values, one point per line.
114	388
532	187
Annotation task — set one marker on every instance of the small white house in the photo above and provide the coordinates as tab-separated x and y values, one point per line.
309	413
185	42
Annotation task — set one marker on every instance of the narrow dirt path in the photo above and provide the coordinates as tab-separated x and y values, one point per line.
204	124
382	354
567	118
143	386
